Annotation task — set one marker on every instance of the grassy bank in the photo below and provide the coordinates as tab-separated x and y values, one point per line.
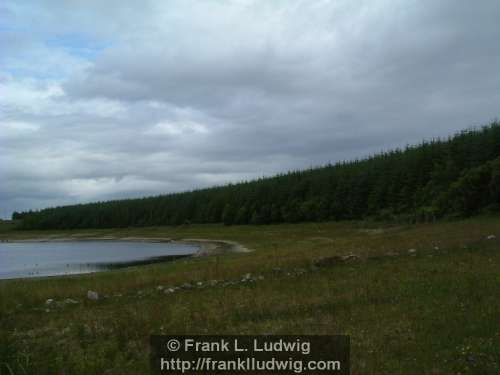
434	310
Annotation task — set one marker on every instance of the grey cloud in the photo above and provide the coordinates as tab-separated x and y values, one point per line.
191	94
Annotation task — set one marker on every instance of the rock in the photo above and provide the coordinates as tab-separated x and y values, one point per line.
436	247
328	261
70	301
412	251
93	296
49	301
349	257
169	290
199	283
160	287
213	282
491	237
260	277
246	277
186	286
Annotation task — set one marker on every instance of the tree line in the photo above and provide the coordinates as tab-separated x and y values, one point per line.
457	176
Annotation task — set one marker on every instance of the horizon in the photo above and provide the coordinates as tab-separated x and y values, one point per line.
291	171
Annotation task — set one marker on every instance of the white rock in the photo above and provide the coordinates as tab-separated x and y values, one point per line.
70	301
412	251
93	296
169	290
49	301
491	237
159	287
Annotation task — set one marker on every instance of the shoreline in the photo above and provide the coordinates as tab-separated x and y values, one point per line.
207	247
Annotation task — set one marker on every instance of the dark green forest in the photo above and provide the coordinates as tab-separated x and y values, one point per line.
453	177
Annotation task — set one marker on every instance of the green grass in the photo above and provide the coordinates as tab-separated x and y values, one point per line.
433	313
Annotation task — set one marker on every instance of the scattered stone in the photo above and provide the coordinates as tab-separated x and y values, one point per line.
213	282
199	283
436	247
169	290
160	287
412	251
49	301
70	301
260	277
491	237
93	296
186	286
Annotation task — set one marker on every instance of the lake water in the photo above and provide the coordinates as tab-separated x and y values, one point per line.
34	259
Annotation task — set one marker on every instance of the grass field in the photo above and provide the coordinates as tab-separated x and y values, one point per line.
435	310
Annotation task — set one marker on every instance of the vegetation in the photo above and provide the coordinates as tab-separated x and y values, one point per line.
459	176
432	311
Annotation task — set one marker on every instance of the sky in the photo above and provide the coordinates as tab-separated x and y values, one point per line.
112	99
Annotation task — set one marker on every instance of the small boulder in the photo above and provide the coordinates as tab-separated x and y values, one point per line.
169	290
70	301
49	301
93	296
350	257
412	251
491	237
160	287
186	286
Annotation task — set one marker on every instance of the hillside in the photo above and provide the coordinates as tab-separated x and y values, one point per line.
458	176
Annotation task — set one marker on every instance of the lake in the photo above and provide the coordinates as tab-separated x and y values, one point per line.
35	259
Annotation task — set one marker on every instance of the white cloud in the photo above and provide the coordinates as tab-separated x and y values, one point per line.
183	128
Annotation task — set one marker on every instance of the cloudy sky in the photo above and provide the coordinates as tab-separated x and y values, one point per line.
112	99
